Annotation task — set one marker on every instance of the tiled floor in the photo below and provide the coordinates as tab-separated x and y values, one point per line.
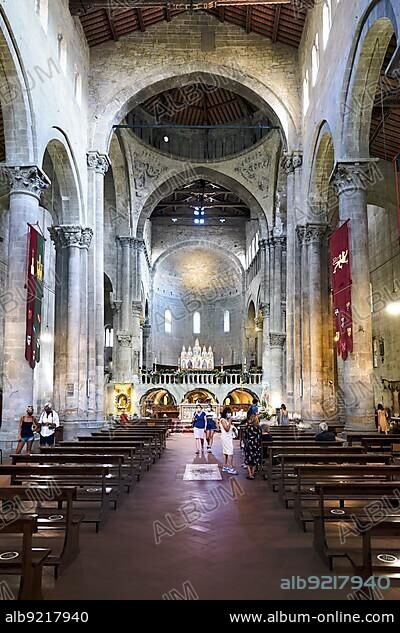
218	539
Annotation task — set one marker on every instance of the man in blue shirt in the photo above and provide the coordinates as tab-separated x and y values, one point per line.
253	408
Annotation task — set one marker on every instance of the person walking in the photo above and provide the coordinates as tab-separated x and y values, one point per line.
199	424
26	429
252	445
226	428
383	422
48	422
211	427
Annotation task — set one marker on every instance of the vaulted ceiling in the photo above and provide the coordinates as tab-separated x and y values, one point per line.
105	20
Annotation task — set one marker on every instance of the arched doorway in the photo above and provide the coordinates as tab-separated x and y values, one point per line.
239	399
158	403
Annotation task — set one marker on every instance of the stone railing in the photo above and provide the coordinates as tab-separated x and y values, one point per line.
201	378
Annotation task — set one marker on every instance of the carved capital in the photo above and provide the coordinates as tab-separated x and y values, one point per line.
291	161
277	339
66	235
265	310
99	162
86	237
315	233
116	306
136	308
301	232
351	176
26	179
264	244
125	241
124	339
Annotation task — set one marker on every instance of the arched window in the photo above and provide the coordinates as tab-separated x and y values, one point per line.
78	87
315	60
109	337
62	52
42	10
227	321
306	92
168	321
196	323
326	22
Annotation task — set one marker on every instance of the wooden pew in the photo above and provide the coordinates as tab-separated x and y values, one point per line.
371	564
143	450
131	466
344	506
290	468
158	435
275	449
358	438
113	462
92	483
57	526
149	443
27	562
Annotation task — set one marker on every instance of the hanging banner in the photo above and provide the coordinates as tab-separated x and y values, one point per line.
34	286
341	287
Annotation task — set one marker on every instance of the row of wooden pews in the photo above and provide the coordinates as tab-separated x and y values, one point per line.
52	494
349	494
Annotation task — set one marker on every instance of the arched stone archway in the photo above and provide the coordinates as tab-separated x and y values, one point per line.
117	107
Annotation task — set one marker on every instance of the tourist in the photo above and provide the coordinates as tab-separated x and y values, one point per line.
383	422
226	428
211	427
253	409
283	416
199	424
48	422
325	435
252	446
26	429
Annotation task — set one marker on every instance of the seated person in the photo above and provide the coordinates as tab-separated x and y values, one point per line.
124	418
325	435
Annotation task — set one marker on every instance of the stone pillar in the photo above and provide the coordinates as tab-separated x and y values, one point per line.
98	165
266	350
26	186
277	342
304	334
146	332
351	179
137	252
292	164
314	236
123	369
69	241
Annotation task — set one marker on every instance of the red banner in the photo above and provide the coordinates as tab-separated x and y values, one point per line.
34	285
341	287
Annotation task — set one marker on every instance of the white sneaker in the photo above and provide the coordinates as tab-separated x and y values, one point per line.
225	468
232	471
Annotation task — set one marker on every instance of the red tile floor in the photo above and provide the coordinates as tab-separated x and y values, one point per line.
229	541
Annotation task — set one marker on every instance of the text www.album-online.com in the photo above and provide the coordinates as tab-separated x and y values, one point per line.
337	617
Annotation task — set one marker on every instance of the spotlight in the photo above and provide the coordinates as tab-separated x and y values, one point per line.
166	139
201	221
174	220
197	221
222	220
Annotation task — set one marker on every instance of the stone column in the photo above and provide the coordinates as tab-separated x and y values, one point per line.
26	186
314	236
304	334
146	332
137	252
98	165
351	179
277	336
85	248
123	369
266	350
69	241
291	164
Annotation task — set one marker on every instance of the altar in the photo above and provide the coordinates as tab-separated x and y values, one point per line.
196	357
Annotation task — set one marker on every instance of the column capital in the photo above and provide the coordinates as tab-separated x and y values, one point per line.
116	306
29	179
124	339
278	240
315	233
277	339
291	161
352	175
66	235
98	162
265	310
136	308
264	243
301	231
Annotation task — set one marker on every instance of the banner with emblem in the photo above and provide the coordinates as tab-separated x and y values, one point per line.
341	288
34	286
